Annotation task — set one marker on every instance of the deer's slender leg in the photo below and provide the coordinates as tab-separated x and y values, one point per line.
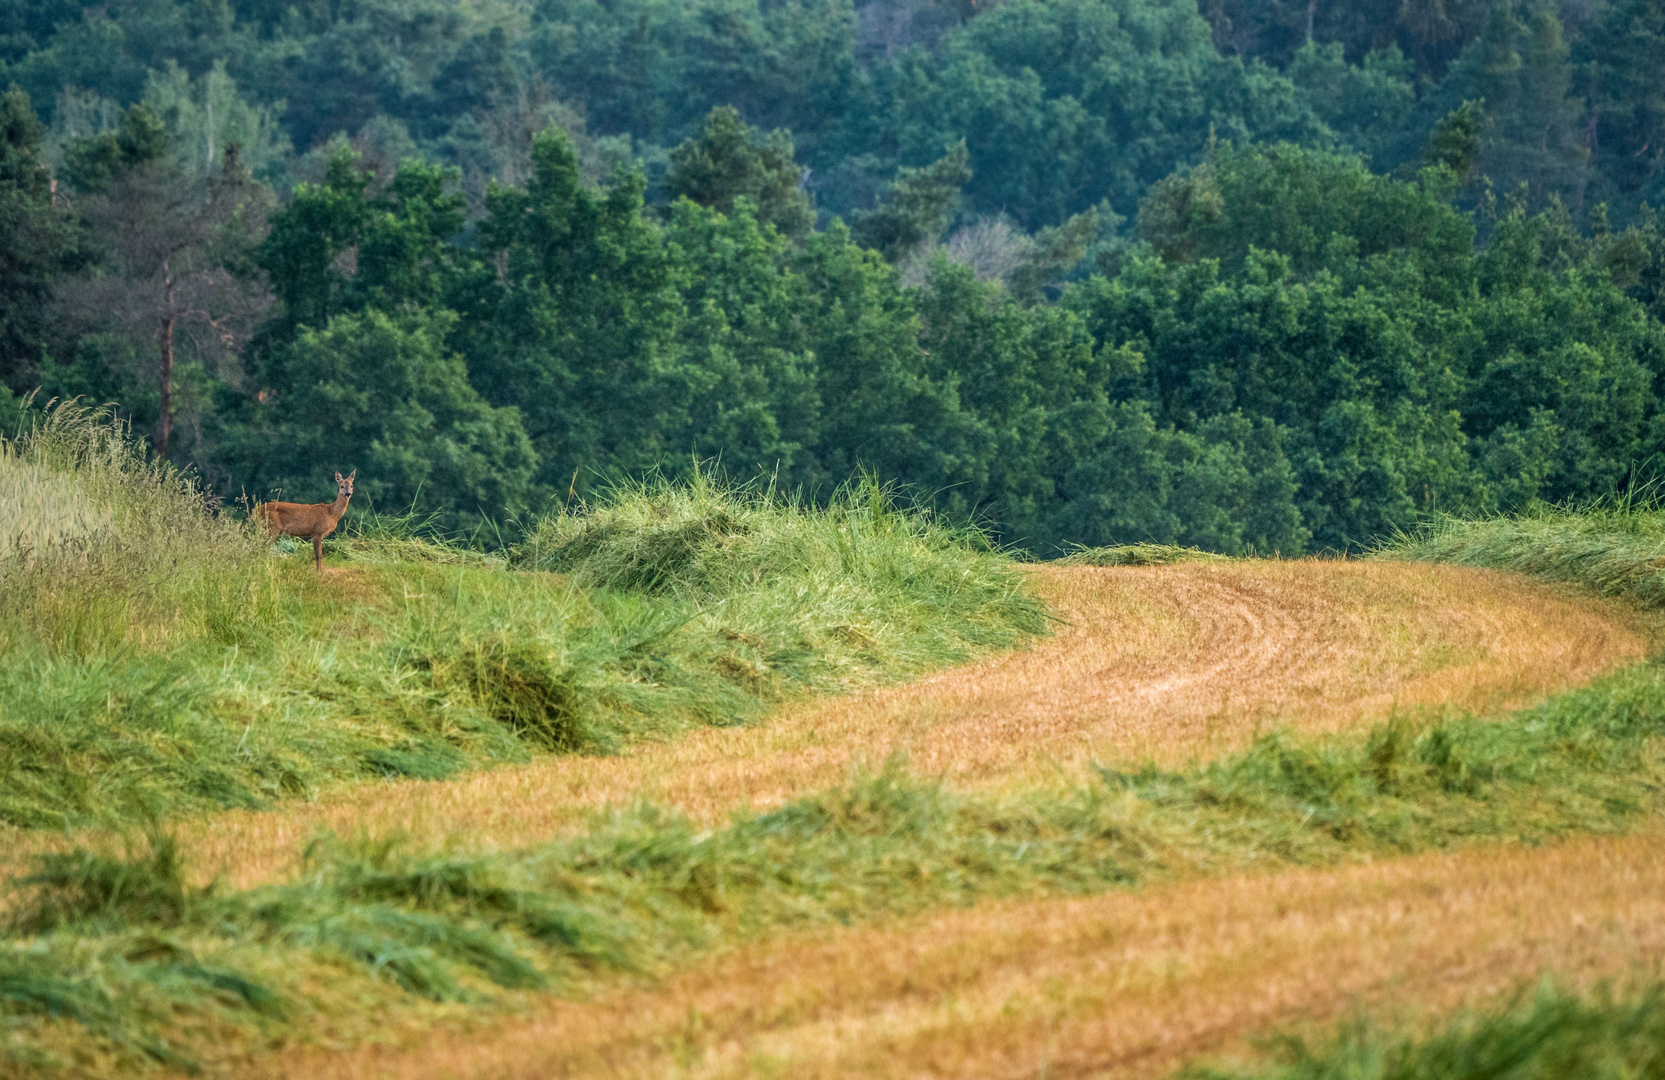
318	552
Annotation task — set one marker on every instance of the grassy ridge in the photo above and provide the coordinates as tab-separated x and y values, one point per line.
156	656
1551	1034
1139	555
140	964
1615	548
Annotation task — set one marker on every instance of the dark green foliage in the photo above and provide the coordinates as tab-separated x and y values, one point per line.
1367	104
1228	486
1065	104
1319	355
574	324
379	393
1534	134
1622	51
1480	374
916	207
1431	33
656	68
38	242
397	235
1454	144
1321	210
160	318
1057	252
729	160
96	161
1472	325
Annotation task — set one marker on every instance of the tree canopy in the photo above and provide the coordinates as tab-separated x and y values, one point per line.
1243	274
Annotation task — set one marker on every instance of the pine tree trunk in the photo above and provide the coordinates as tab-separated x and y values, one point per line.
165	338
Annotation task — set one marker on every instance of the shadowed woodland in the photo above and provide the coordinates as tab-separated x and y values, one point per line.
1250	277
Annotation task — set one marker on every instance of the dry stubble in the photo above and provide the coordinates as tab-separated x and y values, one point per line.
1117	985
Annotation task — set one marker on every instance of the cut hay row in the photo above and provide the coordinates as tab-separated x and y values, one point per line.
1614	547
1122	985
1164	664
132	959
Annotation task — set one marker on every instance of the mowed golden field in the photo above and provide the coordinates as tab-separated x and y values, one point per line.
1172	665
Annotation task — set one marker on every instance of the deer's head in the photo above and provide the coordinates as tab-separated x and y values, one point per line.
344	485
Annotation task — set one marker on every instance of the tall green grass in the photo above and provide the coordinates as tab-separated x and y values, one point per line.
102	550
1616	548
157	655
136	960
1551	1034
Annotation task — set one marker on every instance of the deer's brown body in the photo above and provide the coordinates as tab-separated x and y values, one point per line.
312	521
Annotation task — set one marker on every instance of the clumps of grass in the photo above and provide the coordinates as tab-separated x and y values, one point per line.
702	603
708	539
44	510
1139	555
1615	548
1549	1034
120	996
83	887
643	886
525	689
33	986
370	536
1586	762
157	656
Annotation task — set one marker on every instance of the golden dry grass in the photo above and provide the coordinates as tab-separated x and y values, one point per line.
1168	663
1117	985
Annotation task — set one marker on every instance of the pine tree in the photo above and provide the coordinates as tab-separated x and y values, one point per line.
1547	125
1533	136
1625	55
917	207
38	242
168	240
729	160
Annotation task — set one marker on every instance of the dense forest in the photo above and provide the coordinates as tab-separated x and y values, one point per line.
1243	274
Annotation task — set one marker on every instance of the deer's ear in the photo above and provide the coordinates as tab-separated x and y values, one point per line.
351	475
338	478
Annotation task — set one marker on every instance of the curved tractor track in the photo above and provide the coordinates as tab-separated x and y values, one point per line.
1167	664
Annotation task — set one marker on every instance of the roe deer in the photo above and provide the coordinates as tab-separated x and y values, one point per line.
313	520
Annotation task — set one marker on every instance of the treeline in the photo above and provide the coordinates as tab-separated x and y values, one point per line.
1063	105
1089	271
